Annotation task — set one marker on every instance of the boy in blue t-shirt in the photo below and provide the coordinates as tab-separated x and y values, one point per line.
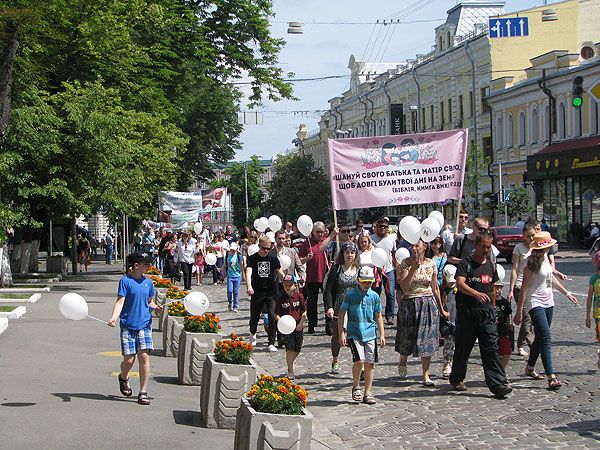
135	300
363	307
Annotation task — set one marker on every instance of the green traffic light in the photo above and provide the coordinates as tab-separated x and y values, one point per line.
577	101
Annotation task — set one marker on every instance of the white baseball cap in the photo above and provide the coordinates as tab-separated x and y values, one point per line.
449	273
233	246
366	274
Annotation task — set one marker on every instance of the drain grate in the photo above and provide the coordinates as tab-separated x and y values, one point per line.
396	429
544	417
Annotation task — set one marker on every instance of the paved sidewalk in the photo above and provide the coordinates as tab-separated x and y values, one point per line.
57	392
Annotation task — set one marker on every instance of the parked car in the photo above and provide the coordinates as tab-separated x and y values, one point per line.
505	239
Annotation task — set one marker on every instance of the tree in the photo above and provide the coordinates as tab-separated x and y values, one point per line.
476	163
299	188
519	204
370	215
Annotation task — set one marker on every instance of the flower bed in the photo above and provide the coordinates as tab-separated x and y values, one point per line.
153	270
277	396
233	350
208	323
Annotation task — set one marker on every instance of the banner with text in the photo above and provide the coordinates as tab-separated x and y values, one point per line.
397	170
214	199
180	201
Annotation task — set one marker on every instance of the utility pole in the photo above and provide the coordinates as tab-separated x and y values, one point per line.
246	190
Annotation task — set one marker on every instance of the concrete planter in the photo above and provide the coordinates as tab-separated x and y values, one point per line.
173	326
256	430
160	299
193	349
223	385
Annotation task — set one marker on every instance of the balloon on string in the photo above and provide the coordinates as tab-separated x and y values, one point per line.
305	225
379	257
401	254
211	259
262	224
198	227
387	243
501	272
438	216
430	228
271	236
252	249
73	306
275	223
286	324
196	303
256	223
285	261
410	229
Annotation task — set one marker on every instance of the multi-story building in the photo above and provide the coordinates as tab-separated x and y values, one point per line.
544	142
447	87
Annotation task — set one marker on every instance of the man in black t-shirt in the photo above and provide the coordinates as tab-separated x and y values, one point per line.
261	272
476	318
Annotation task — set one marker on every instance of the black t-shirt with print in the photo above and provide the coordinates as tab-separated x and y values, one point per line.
264	269
480	277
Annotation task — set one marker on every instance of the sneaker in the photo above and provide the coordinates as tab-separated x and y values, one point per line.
402	371
254	340
459	387
521	352
502	391
428	382
335	368
272	348
235	310
229	308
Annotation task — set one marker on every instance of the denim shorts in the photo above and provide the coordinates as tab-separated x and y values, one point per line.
132	341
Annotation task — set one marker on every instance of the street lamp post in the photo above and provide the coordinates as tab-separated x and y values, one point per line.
246	190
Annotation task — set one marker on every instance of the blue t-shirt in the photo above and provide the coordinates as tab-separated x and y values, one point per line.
234	266
136	310
361	308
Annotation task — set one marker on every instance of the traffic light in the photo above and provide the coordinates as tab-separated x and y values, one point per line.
494	200
577	91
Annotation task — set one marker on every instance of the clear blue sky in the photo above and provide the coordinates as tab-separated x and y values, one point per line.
324	50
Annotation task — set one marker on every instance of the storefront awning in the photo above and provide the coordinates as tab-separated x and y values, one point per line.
575	157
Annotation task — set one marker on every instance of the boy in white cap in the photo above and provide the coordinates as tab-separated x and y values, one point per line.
363	307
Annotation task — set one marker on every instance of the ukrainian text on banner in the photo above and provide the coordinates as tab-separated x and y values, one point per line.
397	170
179	201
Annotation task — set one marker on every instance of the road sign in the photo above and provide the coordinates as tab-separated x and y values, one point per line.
509	27
505	196
594	90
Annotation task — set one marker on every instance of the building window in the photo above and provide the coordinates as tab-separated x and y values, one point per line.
535	126
593	118
522	128
448	39
423	126
577	122
432	117
413	121
499	134
461	108
562	121
442	115
510	132
440	43
450	110
546	123
471	104
484	107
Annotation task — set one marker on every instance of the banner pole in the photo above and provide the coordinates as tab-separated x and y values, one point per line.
458	213
335	224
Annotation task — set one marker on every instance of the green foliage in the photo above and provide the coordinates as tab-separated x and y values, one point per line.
299	188
476	167
519	204
370	215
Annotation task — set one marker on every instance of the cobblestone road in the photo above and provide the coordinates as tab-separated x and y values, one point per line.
409	415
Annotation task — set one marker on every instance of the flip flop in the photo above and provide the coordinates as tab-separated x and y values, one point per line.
357	395
124	386
143	398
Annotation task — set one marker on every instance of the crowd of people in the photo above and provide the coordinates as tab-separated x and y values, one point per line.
447	294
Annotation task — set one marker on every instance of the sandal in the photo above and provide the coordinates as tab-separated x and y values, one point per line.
554	384
531	373
369	399
124	386
143	398
357	394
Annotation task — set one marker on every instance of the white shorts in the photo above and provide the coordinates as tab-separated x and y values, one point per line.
364	351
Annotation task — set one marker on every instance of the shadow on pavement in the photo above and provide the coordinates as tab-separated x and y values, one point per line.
189	418
167	380
68	396
586	428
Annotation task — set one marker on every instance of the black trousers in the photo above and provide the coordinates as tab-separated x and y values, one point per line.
186	268
477	322
257	301
311	295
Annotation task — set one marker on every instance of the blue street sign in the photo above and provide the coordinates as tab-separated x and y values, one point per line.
509	27
506	196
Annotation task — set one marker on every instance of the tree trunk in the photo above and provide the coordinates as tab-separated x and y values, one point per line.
26	249
6	81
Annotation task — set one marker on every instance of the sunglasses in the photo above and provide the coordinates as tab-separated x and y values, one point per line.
266	249
464	217
383	225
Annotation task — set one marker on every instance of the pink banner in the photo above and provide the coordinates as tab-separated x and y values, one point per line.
397	170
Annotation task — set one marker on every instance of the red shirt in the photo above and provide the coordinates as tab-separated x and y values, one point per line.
316	267
295	305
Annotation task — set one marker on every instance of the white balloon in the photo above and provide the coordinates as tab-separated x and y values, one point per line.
73	306
438	216
196	303
275	223
271	236
252	249
286	324
430	228
198	227
256	223
262	224
305	225
285	261
410	229
501	272
387	243
379	257
401	254
211	259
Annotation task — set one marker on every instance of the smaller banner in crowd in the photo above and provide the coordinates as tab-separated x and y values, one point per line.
397	170
214	199
180	201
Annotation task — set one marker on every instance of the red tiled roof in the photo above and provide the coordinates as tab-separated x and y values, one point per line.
571	145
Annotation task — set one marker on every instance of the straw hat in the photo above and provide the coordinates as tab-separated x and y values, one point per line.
541	240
